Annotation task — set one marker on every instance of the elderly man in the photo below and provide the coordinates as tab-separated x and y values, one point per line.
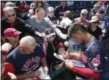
93	56
12	21
27	58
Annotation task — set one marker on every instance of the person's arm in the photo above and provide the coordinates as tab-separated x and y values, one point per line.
38	34
44	64
100	38
94	60
43	60
27	75
74	56
32	31
12	76
28	29
85	72
9	71
59	33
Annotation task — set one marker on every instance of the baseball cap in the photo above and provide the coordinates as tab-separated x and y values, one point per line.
10	4
50	9
49	32
11	32
84	11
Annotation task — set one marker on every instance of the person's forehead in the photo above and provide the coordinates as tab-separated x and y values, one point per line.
74	34
62	48
51	12
84	13
9	12
41	11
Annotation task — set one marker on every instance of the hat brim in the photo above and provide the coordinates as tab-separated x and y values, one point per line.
99	22
91	21
17	33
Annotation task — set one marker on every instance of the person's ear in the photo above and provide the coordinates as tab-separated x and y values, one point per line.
20	47
5	15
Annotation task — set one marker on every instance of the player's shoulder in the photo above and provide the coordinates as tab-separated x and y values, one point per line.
95	46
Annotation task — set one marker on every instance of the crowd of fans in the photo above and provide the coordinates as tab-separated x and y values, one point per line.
39	38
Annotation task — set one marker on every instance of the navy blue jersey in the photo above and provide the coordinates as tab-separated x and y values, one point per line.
96	58
25	63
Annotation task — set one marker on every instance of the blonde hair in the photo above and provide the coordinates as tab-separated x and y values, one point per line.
68	14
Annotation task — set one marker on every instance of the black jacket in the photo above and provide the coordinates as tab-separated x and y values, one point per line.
20	25
59	11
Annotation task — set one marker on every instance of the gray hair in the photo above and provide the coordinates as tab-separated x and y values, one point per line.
28	41
8	9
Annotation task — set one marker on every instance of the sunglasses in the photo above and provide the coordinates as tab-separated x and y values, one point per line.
83	14
11	15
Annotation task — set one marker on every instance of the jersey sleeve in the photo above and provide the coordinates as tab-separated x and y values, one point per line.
95	60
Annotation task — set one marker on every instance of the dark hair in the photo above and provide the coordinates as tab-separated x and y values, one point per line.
73	28
37	8
37	2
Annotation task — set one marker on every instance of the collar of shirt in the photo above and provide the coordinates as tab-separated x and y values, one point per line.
89	44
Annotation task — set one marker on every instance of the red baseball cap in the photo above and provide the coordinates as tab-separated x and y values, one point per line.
11	32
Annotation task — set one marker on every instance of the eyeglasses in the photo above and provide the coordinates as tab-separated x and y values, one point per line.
11	15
